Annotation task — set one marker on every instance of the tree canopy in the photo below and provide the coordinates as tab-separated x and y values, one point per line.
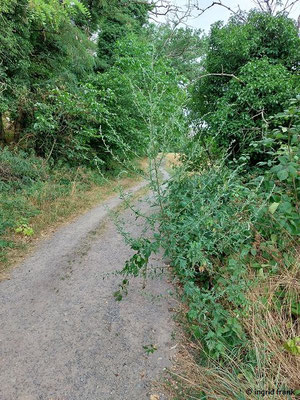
250	72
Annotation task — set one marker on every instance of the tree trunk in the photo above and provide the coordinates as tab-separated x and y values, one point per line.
19	125
2	133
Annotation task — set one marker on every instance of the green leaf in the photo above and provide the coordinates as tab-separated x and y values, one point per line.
286	207
273	207
292	171
293	346
282	174
295	309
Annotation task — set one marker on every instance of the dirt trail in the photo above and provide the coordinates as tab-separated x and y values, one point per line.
62	334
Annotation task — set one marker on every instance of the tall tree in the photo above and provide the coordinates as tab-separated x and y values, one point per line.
250	72
117	22
40	44
184	47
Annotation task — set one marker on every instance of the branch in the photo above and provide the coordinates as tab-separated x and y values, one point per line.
218	3
289	6
268	5
159	7
223	74
179	21
257	2
271	6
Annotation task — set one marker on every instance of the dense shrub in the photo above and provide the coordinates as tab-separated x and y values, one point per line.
248	75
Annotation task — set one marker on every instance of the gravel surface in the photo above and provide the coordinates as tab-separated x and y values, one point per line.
62	334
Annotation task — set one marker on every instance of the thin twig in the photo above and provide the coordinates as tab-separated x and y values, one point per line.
49	155
219	3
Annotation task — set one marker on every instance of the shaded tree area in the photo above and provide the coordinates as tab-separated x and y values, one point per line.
250	72
54	98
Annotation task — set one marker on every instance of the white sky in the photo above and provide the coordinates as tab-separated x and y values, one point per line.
217	13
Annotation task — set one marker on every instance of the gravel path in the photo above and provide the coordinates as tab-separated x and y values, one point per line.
62	334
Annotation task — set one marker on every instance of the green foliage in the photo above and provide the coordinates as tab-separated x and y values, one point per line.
65	124
200	209
55	13
150	349
214	220
14	52
184	47
281	176
18	175
262	35
248	76
17	170
55	102
40	44
104	119
240	115
24	229
293	346
27	186
220	225
141	86
118	23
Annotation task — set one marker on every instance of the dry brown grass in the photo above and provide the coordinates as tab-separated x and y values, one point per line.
172	160
271	326
268	328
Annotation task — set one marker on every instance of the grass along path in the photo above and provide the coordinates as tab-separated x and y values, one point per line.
54	205
64	335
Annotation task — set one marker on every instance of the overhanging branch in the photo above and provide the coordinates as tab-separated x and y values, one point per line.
220	4
223	74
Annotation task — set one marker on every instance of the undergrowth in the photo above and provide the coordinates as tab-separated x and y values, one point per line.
231	234
34	196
